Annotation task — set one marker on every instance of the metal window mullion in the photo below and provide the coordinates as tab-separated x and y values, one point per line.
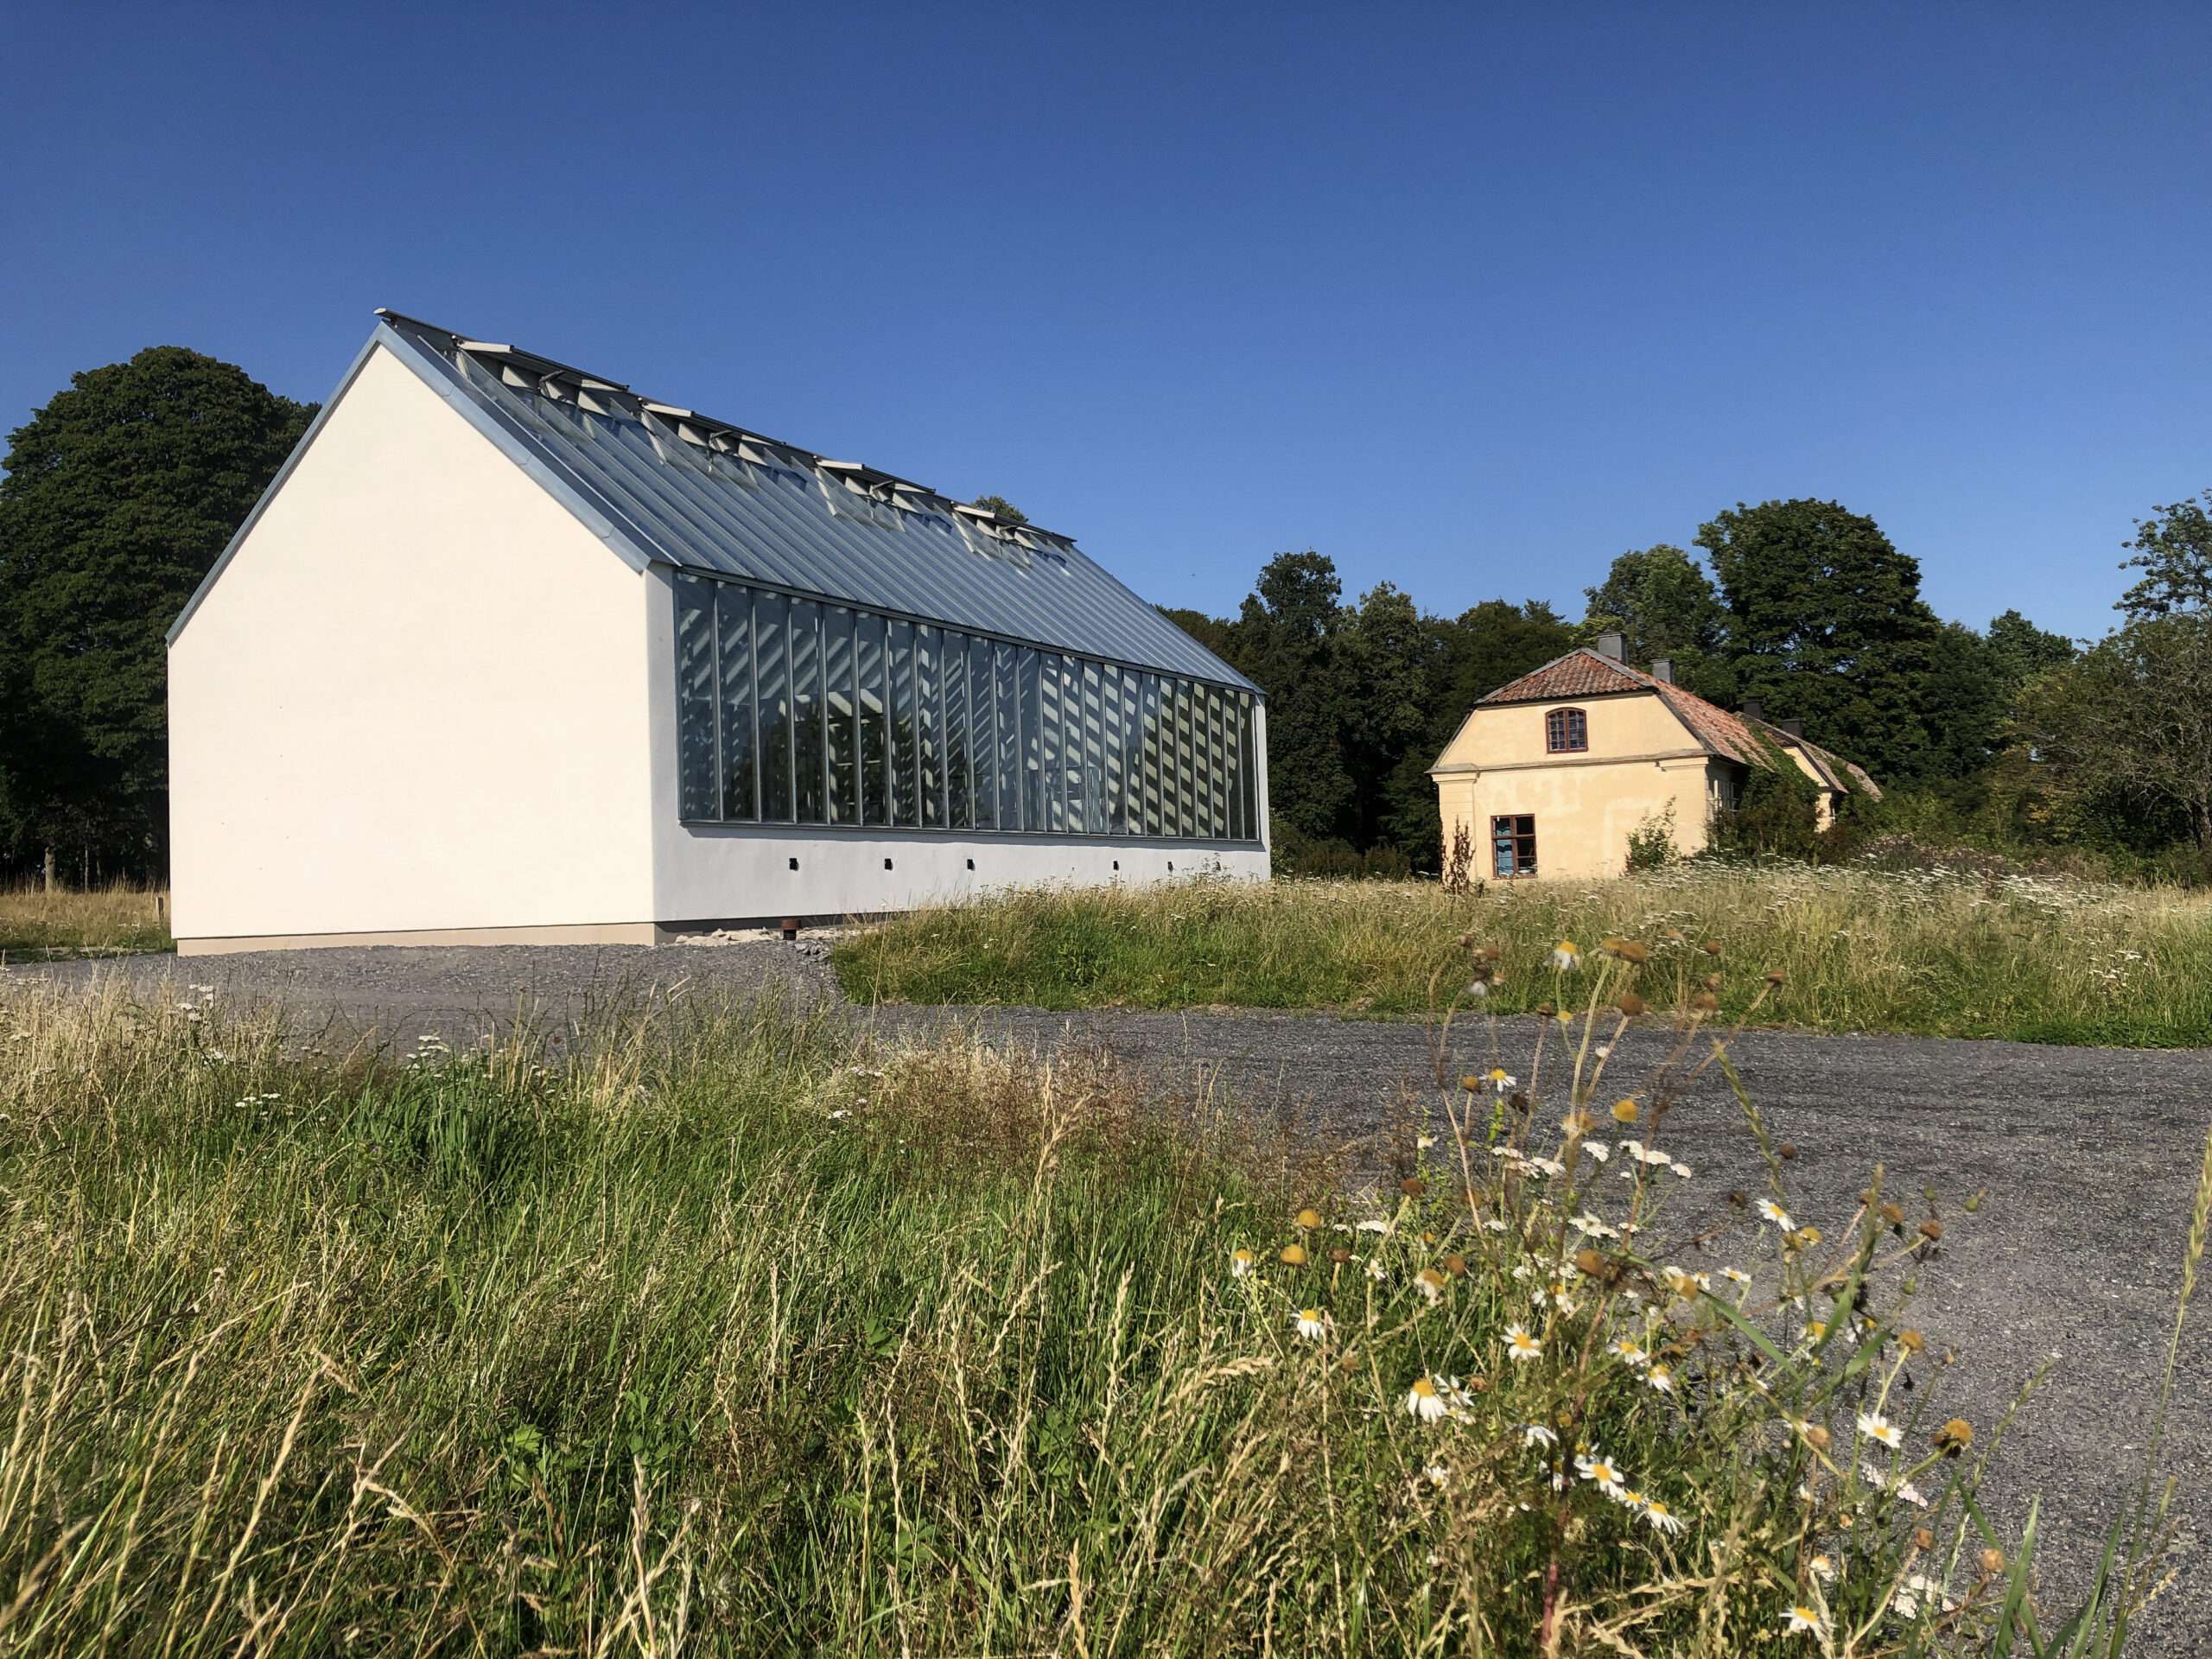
714	651
752	671
944	739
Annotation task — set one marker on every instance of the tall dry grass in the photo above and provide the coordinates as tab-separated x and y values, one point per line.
1934	952
723	1335
116	919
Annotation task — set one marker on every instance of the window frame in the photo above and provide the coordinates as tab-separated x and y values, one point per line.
1567	731
1513	836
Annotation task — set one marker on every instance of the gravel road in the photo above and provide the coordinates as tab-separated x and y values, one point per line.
2088	1158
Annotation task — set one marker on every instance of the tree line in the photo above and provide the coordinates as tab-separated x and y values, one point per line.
2011	736
119	494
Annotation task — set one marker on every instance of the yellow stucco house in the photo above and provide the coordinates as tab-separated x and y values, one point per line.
1549	774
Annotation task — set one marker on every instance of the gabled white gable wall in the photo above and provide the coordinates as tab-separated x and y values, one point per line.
415	700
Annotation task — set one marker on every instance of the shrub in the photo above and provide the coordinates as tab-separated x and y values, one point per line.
1776	814
1651	843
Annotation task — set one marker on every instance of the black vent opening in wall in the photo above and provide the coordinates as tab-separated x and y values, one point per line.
887	863
971	863
794	863
1171	866
1117	863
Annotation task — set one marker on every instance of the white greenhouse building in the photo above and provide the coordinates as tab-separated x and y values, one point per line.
509	652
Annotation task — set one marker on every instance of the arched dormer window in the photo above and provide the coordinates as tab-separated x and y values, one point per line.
1567	731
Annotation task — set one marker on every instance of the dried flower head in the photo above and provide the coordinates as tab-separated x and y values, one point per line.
1307	1219
1706	1003
1954	1437
1993	1562
1412	1186
1293	1255
1624	1111
1630	1003
1931	1230
1775	977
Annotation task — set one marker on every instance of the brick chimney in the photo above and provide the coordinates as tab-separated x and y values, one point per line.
1663	670
1753	709
1795	728
1611	644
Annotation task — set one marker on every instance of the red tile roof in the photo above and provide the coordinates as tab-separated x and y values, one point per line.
1586	673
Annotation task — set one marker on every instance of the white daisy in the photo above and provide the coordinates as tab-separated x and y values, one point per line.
1535	1434
1661	1518
1312	1323
1242	1262
1422	1400
1520	1346
1631	1351
1601	1472
1660	1377
1875	1426
1774	1213
1565	957
1807	1619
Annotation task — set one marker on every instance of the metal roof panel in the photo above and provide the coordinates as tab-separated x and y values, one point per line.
792	521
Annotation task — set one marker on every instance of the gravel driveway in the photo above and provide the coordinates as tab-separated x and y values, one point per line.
2088	1158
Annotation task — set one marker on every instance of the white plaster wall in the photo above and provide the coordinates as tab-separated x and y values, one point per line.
416	699
710	873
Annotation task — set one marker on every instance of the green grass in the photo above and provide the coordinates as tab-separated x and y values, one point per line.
114	920
724	1336
1929	953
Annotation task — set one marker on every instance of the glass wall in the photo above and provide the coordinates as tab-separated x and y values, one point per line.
793	711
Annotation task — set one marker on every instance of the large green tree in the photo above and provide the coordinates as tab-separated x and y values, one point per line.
2173	549
1388	658
1663	604
118	496
2132	719
1825	624
1286	640
2020	651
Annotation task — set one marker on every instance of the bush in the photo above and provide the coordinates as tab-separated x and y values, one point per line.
1776	814
1651	843
1294	852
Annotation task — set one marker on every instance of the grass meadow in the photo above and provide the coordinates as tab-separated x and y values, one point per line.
727	1333
121	919
1930	952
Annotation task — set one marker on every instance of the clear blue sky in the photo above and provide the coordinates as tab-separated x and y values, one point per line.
1469	298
